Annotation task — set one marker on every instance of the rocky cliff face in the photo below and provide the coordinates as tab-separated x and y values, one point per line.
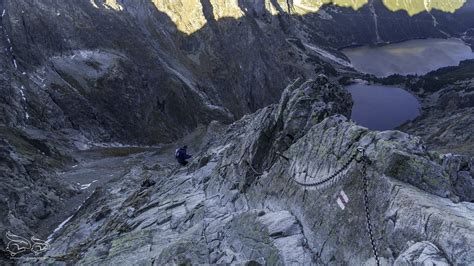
241	200
141	72
29	191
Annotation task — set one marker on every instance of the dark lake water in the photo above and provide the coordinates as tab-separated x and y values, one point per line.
382	107
410	57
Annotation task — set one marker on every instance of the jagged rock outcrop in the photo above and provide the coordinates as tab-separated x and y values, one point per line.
237	202
278	126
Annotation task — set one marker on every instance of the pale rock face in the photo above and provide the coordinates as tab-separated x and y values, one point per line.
227	9
187	15
113	4
418	6
195	19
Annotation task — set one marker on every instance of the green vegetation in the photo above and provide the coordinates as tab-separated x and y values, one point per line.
432	81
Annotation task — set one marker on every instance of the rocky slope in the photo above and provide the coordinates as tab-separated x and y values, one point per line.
239	201
140	72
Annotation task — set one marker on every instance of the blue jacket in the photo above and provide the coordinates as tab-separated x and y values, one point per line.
181	154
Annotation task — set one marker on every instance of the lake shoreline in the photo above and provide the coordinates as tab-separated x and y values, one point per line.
381	107
380	44
413	57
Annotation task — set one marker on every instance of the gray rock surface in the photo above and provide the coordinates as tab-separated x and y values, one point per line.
422	253
237	201
29	191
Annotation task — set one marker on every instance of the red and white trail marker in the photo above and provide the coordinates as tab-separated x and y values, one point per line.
342	200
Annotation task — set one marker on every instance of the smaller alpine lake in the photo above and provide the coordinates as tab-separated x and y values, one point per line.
380	107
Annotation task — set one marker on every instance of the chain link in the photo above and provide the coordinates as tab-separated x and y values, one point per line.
334	175
364	160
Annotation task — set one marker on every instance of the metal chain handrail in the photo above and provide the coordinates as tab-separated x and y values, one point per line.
335	174
364	160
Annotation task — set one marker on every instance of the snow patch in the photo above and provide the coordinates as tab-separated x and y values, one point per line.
220	149
60	226
328	55
86	186
94	4
23	98
22	93
3	13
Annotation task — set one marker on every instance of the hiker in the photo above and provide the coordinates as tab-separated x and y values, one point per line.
182	155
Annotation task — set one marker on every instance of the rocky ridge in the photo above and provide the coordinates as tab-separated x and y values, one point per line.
237	202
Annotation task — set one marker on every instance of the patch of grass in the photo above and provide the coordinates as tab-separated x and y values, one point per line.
434	80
